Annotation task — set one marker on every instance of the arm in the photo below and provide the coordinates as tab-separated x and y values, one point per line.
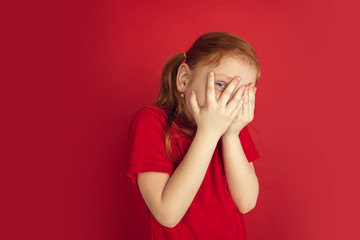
240	174
168	198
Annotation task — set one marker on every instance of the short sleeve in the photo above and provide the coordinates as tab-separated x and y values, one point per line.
248	145
146	135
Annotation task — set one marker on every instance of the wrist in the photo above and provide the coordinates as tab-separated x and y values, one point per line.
229	138
231	134
208	135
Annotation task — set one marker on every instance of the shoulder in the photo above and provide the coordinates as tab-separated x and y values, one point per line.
150	112
150	117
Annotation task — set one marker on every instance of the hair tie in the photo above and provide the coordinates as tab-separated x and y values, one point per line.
184	59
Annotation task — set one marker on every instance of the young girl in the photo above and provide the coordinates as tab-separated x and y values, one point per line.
195	186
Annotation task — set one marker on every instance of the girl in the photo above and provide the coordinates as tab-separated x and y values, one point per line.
195	186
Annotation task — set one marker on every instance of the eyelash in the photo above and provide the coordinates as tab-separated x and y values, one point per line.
222	84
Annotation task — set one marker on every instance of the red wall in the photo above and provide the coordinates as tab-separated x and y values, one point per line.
108	59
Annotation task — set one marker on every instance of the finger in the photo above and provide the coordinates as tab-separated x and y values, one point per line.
233	103
238	109
224	98
210	89
194	103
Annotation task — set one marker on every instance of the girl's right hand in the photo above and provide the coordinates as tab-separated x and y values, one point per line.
216	116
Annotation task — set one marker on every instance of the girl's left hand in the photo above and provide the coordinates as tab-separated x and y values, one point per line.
245	112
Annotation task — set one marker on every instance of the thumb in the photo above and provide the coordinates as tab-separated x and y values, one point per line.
194	103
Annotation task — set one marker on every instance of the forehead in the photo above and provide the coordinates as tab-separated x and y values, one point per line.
229	67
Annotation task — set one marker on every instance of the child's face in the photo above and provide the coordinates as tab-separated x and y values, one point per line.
228	68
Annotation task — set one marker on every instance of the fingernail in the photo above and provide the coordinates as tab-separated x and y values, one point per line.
211	73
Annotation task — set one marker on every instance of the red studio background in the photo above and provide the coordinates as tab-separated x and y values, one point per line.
106	62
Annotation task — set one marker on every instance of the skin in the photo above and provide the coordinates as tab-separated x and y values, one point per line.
219	113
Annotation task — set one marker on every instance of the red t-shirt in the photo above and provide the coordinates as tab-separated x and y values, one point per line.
212	214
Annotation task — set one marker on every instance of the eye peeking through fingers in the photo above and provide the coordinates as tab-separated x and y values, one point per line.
221	85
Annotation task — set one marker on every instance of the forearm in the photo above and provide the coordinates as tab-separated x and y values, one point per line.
183	185
241	178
